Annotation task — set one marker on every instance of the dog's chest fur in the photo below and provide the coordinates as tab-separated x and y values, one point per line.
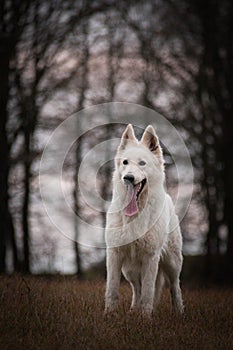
138	250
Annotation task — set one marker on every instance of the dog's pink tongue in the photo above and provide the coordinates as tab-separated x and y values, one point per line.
132	207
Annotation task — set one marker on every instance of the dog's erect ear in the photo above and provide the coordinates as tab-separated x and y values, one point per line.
127	136
150	140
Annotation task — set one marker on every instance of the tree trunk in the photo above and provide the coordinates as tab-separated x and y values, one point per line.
79	270
78	150
228	205
5	216
26	203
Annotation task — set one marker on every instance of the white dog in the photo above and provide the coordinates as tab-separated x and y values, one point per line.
142	233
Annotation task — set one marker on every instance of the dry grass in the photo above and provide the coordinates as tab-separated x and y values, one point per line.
62	313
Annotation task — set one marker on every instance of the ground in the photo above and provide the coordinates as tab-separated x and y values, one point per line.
63	313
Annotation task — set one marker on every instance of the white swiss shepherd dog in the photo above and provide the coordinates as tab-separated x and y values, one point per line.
143	236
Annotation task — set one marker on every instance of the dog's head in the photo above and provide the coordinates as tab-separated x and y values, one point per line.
140	166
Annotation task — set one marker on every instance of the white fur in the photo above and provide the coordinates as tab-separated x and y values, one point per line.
145	247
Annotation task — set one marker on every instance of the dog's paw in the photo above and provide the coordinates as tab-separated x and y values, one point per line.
147	312
110	312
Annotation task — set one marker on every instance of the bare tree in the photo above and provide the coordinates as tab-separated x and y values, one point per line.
83	78
32	34
11	14
215	92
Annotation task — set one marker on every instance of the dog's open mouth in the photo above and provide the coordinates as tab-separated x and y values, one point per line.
141	186
133	193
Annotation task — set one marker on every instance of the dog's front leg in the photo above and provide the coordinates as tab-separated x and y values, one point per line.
113	279
149	273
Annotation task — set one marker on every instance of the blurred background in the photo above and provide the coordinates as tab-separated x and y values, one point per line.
60	56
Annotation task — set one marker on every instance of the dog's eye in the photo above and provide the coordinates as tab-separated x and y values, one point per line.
125	161
142	162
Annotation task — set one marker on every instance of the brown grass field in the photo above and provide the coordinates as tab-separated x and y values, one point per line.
63	313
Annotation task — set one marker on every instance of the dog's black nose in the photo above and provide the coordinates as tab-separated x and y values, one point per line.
129	178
